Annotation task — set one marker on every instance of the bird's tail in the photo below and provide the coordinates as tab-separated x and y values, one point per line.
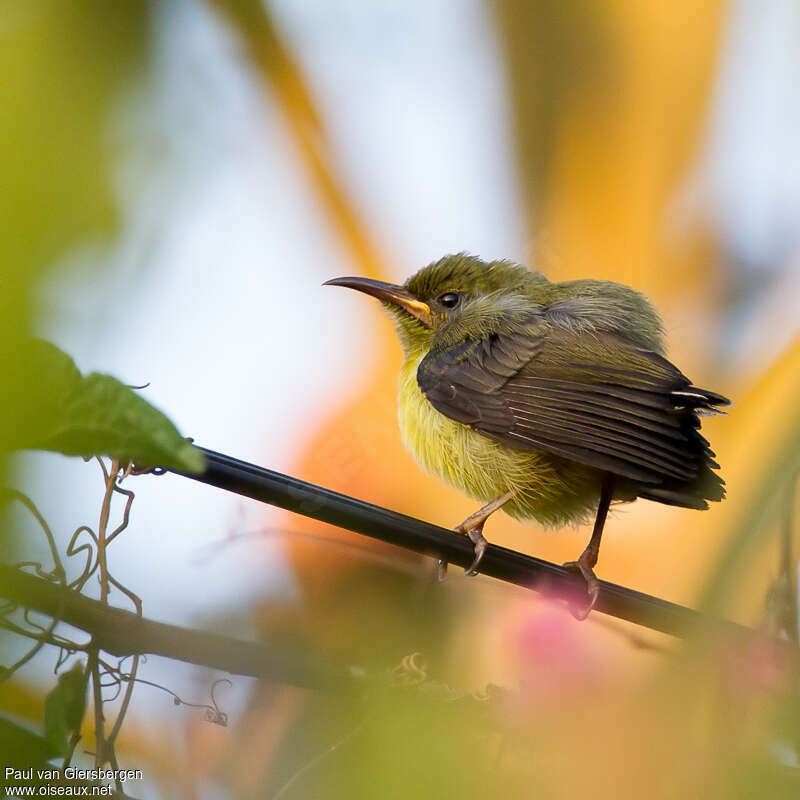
692	403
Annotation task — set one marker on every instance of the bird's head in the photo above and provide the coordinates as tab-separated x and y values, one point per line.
457	296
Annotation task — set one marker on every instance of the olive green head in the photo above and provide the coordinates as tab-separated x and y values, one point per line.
457	292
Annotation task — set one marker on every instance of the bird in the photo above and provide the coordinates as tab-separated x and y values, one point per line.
548	400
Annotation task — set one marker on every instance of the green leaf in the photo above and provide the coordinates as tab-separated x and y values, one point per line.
64	708
105	416
39	377
55	408
21	747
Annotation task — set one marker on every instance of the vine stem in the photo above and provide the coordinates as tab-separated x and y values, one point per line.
102	748
73	743
110	479
126	699
99	720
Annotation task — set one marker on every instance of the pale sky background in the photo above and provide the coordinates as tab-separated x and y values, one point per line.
214	295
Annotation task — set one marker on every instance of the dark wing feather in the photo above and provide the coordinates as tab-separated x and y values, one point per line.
598	401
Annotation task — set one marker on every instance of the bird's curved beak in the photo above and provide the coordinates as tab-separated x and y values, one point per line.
388	293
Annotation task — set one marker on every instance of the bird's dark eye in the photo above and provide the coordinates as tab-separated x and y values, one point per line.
449	299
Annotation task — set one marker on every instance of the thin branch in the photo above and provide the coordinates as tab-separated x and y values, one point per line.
126	700
399	562
110	479
97	693
212	710
123	633
105	747
317	759
91	562
45	635
14	494
126	514
292	494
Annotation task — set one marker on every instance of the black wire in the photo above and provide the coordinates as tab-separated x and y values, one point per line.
304	498
316	502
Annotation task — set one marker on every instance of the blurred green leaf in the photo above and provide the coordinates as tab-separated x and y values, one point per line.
64	67
54	408
769	423
67	70
21	747
64	708
768	500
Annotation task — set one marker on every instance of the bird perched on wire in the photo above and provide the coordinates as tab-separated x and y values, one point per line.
548	400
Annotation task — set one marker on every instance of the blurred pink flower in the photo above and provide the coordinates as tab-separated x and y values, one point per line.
553	653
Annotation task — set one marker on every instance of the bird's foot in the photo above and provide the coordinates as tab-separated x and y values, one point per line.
475	534
479	548
472	526
584	565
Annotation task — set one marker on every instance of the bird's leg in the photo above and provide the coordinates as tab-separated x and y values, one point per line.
472	526
588	558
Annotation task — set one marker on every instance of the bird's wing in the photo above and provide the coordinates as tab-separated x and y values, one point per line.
596	400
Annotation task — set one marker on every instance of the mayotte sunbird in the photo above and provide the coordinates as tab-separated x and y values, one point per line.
548	400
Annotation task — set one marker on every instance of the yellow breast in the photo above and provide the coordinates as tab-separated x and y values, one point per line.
454	452
546	488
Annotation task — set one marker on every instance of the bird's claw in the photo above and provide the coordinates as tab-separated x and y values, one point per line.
480	544
592	587
479	548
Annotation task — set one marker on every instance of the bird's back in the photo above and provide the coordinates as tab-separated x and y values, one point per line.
592	306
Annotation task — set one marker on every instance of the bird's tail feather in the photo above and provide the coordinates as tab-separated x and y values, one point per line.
707	485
